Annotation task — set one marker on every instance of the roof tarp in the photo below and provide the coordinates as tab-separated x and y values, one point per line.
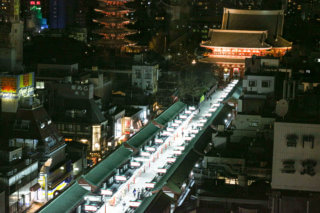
102	170
145	134
66	201
170	113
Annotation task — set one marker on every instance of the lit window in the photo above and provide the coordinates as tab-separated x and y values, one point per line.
252	83
265	84
39	85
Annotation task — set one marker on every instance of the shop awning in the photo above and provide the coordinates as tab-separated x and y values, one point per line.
170	113
144	135
158	202
105	168
66	201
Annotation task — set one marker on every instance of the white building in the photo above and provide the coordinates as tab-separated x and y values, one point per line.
261	84
146	77
296	159
249	125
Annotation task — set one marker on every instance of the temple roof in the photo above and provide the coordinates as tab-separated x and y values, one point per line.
270	20
106	19
223	60
114	31
113	43
119	9
118	1
279	42
237	38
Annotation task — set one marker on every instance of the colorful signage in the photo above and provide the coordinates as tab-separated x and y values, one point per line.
17	84
120	178
135	164
161	170
158	140
145	154
26	80
171	160
134	204
90	208
107	192
150	185
151	149
8	84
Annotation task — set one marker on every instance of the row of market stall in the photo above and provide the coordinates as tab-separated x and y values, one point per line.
106	186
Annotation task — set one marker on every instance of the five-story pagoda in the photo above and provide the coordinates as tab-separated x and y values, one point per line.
113	23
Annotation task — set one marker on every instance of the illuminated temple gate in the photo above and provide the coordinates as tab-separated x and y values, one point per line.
245	33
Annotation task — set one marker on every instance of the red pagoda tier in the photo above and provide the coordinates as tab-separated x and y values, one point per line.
113	29
245	33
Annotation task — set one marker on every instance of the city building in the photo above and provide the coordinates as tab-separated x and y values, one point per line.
19	176
245	33
31	12
112	31
57	14
146	77
11	36
26	124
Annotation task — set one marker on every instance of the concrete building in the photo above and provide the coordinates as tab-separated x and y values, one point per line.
19	176
26	124
258	84
11	36
146	77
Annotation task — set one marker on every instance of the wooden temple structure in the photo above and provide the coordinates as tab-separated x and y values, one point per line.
245	33
113	23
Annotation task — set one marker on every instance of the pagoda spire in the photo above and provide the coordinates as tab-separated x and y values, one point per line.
113	23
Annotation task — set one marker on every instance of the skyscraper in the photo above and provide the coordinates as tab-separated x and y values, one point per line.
11	35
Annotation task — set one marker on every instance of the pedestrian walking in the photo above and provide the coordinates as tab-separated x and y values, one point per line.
138	195
134	192
123	206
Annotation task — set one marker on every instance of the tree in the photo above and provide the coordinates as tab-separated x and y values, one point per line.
195	81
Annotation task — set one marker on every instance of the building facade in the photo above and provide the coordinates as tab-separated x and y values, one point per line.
145	77
245	33
112	29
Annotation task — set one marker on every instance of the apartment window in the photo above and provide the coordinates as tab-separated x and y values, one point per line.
39	85
252	83
292	140
265	84
138	74
308	139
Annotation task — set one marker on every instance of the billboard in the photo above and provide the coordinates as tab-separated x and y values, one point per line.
16	84
8	84
26	80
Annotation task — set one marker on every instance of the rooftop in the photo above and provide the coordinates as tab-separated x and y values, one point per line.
237	38
270	20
